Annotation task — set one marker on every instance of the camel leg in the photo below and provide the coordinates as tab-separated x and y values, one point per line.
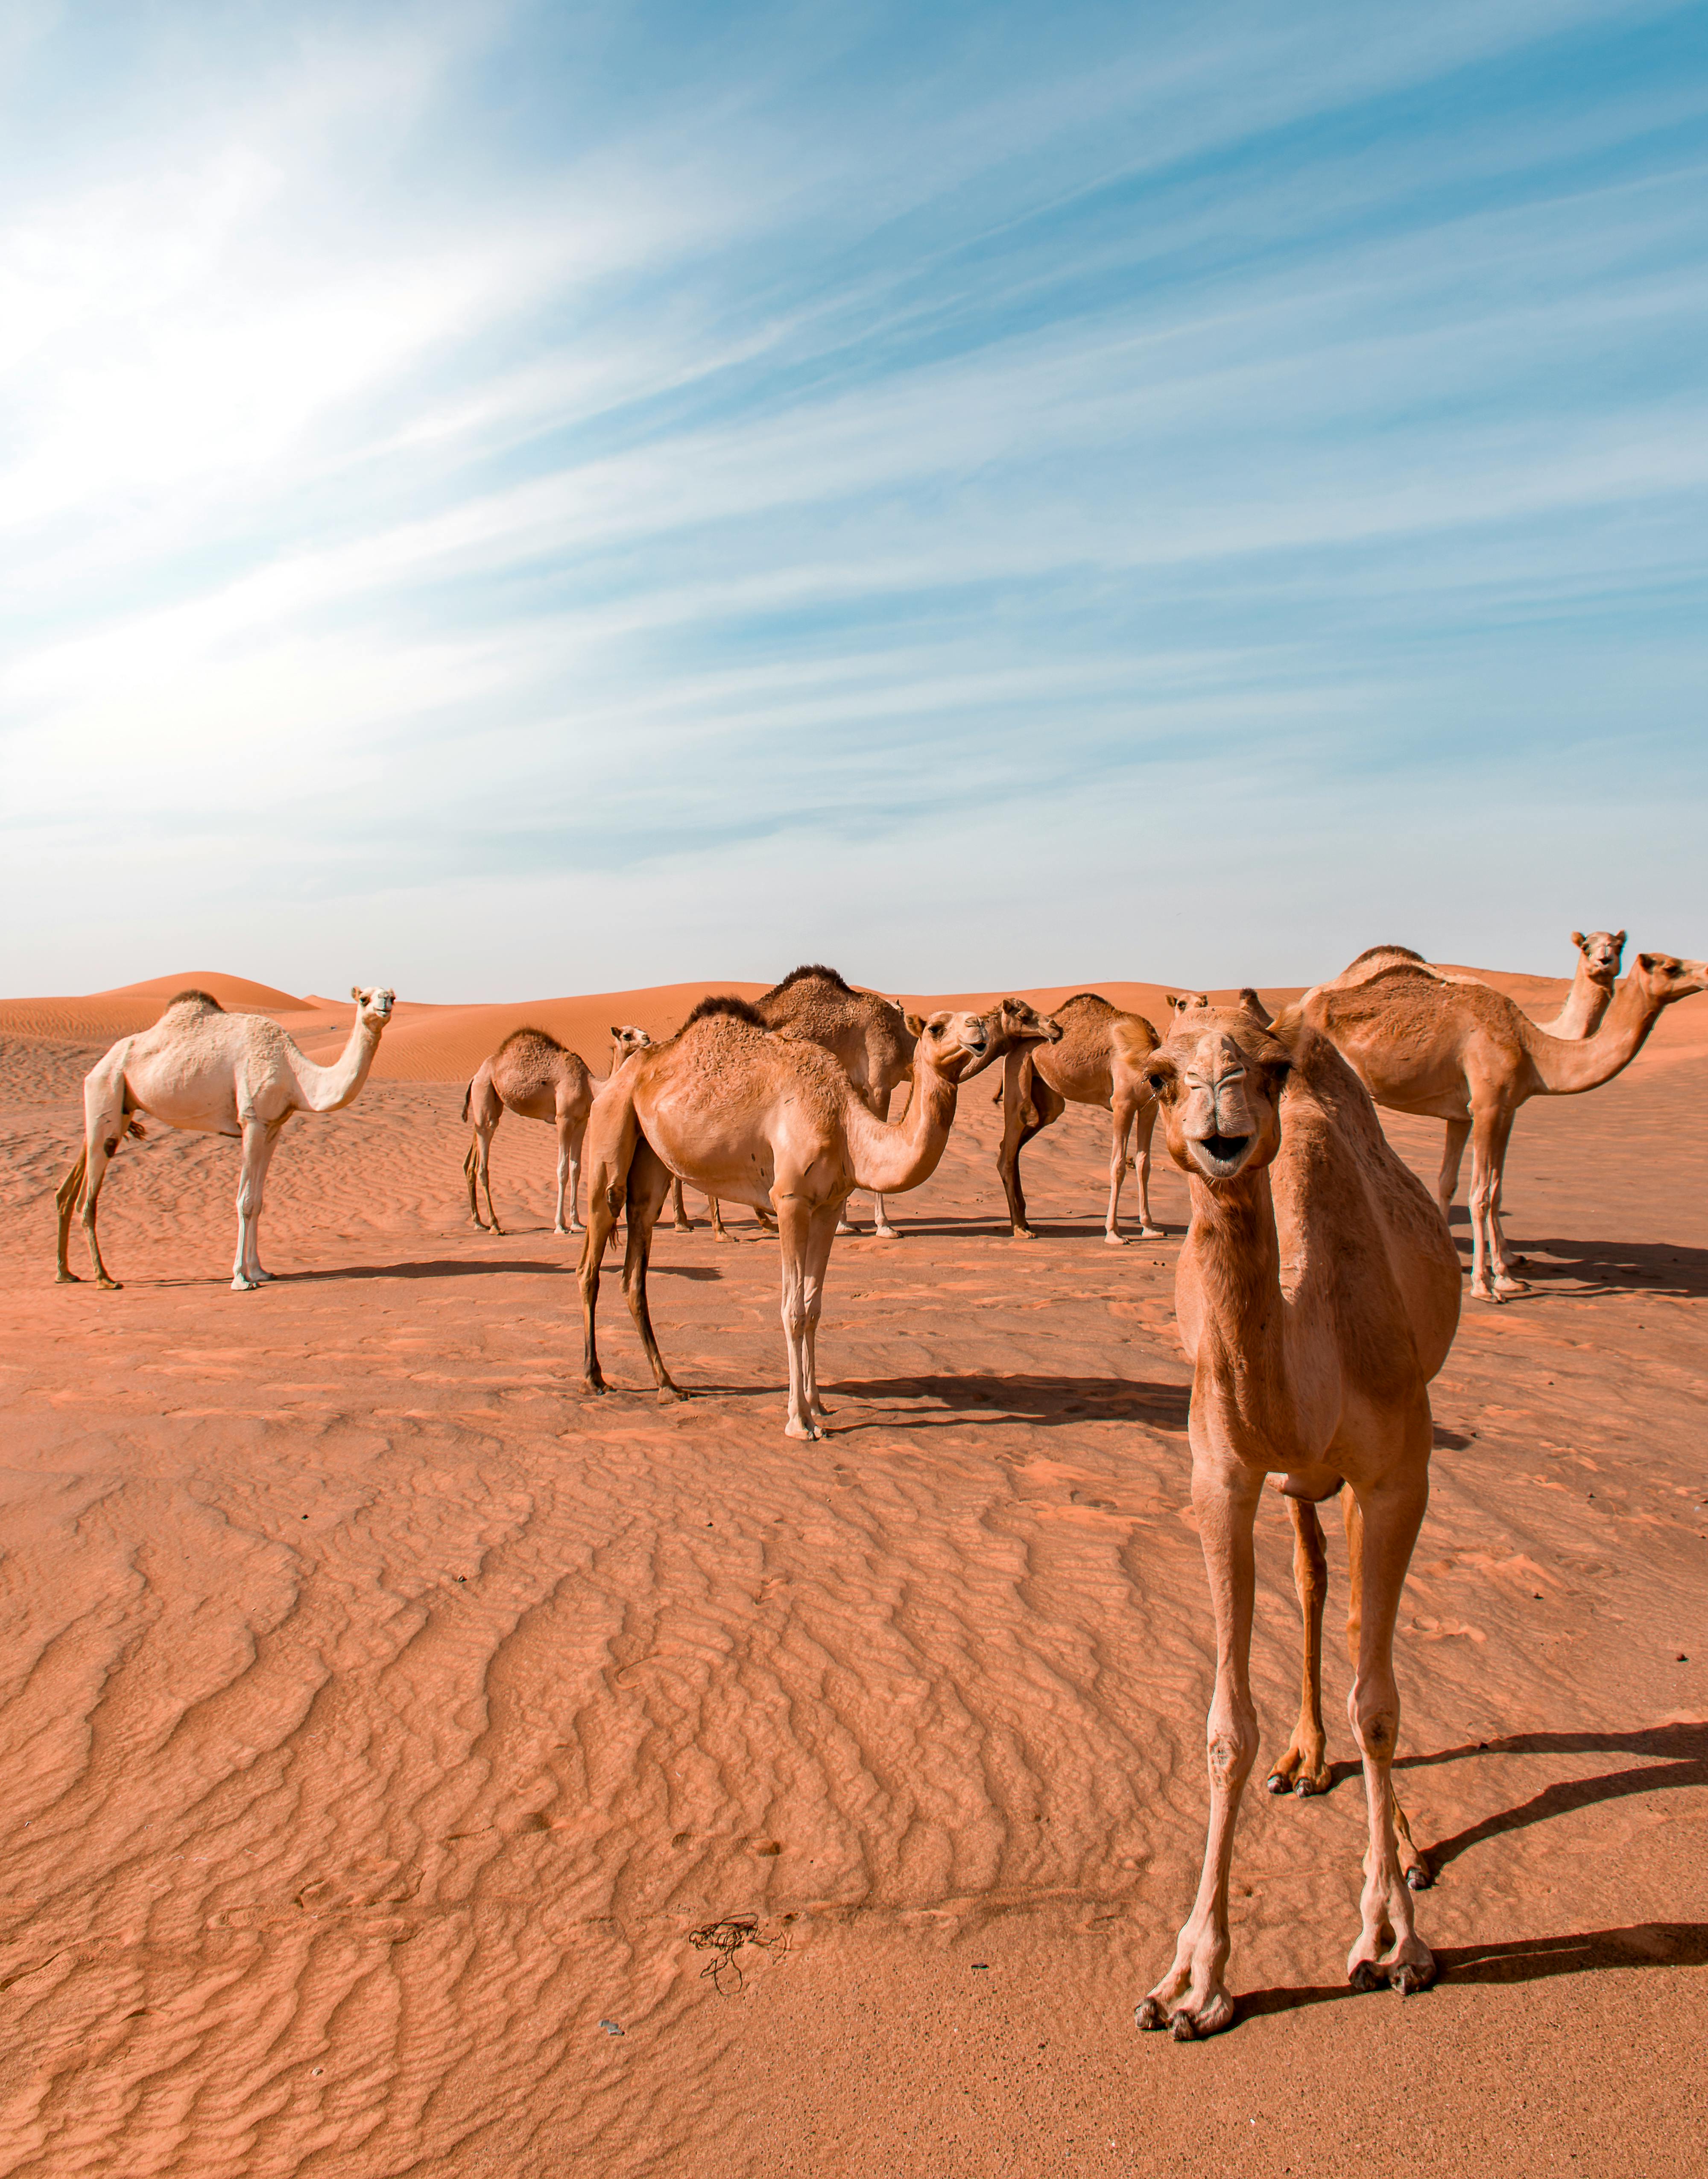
648	1184
105	1123
68	1196
251	1181
1303	1769
1028	1106
1191	1997
607	1183
1413	1865
717	1212
794	1230
1452	1151
1490	1278
679	1210
820	1235
569	1139
1148	1228
260	1276
577	1136
1388	1949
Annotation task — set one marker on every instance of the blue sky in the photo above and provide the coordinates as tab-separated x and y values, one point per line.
512	499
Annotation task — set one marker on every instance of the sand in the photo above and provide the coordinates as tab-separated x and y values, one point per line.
384	1719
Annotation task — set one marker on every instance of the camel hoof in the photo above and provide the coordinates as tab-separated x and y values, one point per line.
668	1395
1182	2027
1506	1285
1367	1976
1023	1234
107	1285
1150	2015
67	1279
1410	1976
1115	1240
1420	1876
594	1385
885	1233
1152	1233
245	1286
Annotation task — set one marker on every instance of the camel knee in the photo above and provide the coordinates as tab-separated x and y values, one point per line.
1231	1746
1375	1720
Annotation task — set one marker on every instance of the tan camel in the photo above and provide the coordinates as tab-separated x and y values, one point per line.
771	1119
1318	1294
1099	1059
1593	979
212	1073
535	1077
1461	1051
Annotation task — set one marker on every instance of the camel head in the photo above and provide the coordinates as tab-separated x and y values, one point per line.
373	1008
1601	951
624	1041
954	1045
1010	1022
1187	1002
1663	977
1217	1085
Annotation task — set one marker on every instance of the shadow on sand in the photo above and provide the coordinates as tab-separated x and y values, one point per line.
1049	1400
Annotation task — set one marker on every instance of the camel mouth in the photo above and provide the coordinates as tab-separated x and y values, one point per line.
1221	1155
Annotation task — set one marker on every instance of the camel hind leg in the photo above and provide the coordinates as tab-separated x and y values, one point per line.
69	1195
106	1123
1028	1106
1146	1125
679	1210
649	1186
614	1135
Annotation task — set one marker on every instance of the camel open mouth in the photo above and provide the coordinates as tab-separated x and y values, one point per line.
1220	1156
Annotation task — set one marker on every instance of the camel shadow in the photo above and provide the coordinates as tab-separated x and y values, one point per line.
1050	1402
441	1267
1683	1750
1524	1959
1657	1267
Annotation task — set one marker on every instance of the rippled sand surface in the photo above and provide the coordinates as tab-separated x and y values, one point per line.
388	1728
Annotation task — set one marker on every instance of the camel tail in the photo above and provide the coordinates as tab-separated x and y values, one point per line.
467	1097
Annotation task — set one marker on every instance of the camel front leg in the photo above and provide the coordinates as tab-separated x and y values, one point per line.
1192	1999
1146	1123
67	1198
717	1212
794	1231
569	1140
648	1184
679	1210
246	1266
1388	1949
1304	1770
1491	1279
1415	1865
1015	1104
820	1235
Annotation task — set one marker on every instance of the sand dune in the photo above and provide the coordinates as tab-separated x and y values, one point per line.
386	1723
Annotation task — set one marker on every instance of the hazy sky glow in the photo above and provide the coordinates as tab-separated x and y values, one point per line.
512	500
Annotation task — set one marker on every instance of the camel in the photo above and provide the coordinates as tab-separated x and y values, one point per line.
534	1076
1098	1059
768	1118
212	1073
1595	973
1463	1052
1318	1294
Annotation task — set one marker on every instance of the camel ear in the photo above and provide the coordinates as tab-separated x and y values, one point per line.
1618	941
615	1030
915	1023
356	993
1578	940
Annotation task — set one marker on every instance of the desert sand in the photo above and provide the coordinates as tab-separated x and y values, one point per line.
389	1728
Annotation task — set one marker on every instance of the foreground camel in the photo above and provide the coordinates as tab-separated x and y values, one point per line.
1463	1052
769	1119
212	1073
1098	1059
1318	1293
535	1077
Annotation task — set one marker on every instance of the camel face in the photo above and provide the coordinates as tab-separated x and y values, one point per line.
1218	1089
960	1044
374	1006
1601	951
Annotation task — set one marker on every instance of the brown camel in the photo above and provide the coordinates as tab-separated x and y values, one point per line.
1463	1052
1318	1293
1098	1059
535	1077
768	1118
215	1073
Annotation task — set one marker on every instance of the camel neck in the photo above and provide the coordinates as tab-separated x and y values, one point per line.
1566	1068
1586	1003
1241	1363
890	1159
328	1089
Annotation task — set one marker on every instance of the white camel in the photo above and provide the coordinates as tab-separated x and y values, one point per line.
213	1073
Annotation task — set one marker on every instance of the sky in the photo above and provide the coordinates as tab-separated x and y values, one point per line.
512	500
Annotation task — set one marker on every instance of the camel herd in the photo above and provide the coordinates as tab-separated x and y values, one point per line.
1317	1289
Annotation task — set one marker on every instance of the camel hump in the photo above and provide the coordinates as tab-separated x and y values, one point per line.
726	1002
1134	1037
194	1002
812	972
528	1035
1388	953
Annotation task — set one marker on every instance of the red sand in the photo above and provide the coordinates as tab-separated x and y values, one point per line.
382	1715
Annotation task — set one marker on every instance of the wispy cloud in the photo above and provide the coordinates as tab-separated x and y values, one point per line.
558	497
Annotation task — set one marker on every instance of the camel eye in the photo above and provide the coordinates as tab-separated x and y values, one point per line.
1158	1082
